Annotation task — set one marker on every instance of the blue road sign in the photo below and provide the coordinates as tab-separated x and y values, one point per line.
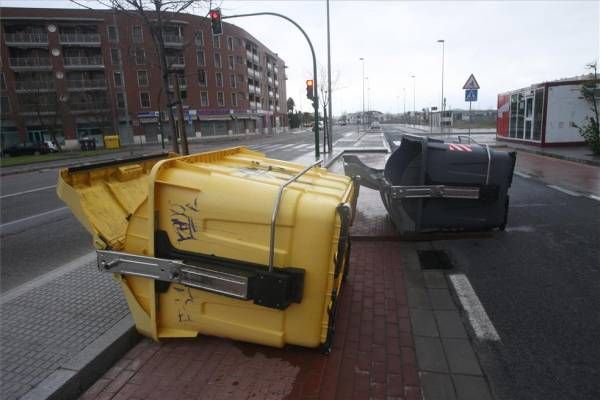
471	95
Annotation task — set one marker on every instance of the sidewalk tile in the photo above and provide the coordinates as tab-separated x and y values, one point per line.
437	386
450	324
461	357
471	388
430	354
441	299
423	323
435	279
418	298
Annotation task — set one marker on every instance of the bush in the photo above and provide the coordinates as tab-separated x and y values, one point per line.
591	134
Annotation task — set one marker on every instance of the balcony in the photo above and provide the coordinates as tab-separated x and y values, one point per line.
170	39
182	83
86	84
255	58
27	39
271	94
38	109
276	95
248	55
35	86
270	80
250	72
175	62
32	63
84	62
276	83
95	106
80	39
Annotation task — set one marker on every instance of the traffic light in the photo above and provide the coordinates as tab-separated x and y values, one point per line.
215	20
310	92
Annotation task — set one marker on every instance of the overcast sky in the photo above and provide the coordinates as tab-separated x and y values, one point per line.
505	44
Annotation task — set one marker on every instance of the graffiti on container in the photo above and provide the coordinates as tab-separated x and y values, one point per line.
183	219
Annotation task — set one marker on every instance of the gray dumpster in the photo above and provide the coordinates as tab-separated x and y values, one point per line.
429	185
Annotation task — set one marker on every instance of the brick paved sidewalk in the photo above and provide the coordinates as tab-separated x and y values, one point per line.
373	355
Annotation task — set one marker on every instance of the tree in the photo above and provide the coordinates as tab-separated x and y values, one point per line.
591	130
325	101
290	105
156	15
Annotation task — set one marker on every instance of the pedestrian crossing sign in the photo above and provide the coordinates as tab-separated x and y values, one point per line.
471	95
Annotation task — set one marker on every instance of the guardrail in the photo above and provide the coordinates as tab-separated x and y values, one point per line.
79	38
38	38
29	61
84	61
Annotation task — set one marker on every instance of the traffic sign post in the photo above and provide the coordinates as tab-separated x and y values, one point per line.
471	87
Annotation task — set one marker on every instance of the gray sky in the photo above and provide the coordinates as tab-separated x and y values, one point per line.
506	45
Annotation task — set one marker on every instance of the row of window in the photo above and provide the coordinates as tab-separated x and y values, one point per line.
137	36
143	79
204	102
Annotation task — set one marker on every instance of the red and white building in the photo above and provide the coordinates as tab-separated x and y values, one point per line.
543	114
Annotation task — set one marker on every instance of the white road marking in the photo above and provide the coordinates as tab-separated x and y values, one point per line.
522	175
567	191
19	221
28	191
299	146
480	322
594	197
286	146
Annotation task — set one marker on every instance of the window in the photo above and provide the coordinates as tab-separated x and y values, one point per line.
216	42
4	105
2	81
142	78
113	33
230	43
238	42
240	78
199	38
118	79
202	77
120	100
217	60
232	81
204	99
220	99
239	60
231	62
137	34
140	56
145	99
219	78
234	102
115	56
200	58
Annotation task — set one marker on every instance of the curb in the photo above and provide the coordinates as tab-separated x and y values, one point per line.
80	372
594	163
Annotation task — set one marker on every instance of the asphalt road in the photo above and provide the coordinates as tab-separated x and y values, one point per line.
539	283
38	233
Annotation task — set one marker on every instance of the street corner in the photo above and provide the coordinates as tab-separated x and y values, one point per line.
372	356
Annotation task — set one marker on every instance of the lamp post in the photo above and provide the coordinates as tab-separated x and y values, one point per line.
362	118
442	100
414	98
404	92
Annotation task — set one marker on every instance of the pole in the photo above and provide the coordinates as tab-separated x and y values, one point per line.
443	42
362	118
183	135
329	117
312	50
470	121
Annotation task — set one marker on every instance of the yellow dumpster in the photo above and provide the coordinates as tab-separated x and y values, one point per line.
226	243
112	142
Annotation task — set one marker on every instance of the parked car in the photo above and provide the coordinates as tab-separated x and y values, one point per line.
52	147
375	125
30	148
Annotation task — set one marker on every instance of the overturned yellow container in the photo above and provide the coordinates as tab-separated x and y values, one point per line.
226	243
112	142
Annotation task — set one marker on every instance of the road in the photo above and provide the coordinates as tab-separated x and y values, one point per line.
39	234
539	283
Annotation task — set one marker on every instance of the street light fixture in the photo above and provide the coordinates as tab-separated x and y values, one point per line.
442	101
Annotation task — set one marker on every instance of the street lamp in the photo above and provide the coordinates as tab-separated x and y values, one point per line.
362	119
404	92
442	100
414	97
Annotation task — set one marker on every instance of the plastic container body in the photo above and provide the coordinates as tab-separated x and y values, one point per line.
112	142
216	209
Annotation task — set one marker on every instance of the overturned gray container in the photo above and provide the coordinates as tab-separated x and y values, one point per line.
429	185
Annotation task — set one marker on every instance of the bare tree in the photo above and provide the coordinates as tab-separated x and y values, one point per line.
335	85
156	15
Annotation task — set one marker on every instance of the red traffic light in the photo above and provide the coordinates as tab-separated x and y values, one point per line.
215	21
215	14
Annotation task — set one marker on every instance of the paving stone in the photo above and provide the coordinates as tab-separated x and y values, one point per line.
430	354
449	324
461	357
437	386
418	298
471	388
435	279
423	323
441	299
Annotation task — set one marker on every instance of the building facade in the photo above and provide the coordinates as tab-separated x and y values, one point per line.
88	73
544	114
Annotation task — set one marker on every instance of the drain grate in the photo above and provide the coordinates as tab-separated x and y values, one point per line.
434	259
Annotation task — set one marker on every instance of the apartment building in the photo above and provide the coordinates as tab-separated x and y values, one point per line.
88	73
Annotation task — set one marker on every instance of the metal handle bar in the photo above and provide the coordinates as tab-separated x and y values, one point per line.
276	210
